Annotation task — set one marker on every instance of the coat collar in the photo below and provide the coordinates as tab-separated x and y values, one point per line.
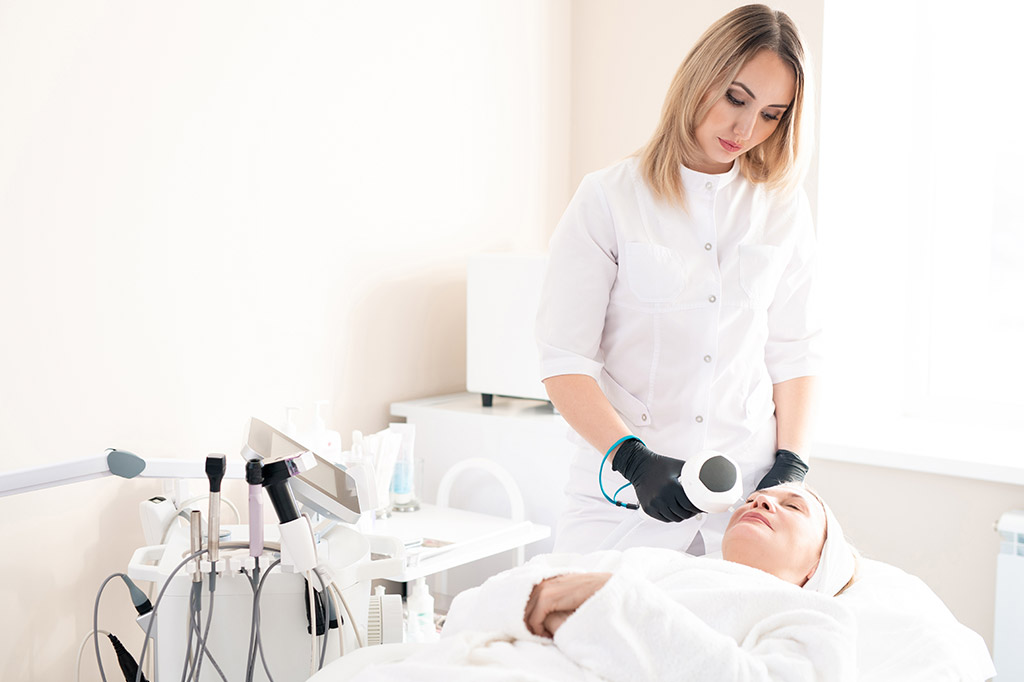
694	181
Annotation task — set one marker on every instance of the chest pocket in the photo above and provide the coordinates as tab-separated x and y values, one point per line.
655	274
761	267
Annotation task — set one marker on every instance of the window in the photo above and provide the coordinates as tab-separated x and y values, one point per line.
921	211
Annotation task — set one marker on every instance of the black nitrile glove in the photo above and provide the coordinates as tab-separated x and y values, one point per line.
788	468
656	481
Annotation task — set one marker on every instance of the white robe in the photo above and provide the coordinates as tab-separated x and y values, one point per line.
662	616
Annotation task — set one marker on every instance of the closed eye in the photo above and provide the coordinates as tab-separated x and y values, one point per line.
737	102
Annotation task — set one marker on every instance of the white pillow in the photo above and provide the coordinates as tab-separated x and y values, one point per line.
906	633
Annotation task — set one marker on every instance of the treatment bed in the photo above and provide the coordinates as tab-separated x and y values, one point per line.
904	633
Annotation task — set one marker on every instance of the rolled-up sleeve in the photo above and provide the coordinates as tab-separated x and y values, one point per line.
793	348
581	271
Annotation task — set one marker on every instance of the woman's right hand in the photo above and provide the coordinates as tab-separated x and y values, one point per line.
655	479
553	600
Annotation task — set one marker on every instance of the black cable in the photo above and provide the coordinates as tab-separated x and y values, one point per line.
209	655
195	626
192	596
263	658
202	640
255	642
124	659
250	659
96	625
139	601
156	604
327	626
139	598
200	637
195	620
254	634
259	634
250	654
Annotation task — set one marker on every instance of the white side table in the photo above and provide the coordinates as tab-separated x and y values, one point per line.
454	537
525	437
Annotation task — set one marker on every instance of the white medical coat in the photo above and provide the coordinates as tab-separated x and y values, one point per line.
685	318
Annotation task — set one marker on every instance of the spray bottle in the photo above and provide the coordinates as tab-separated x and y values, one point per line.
420	624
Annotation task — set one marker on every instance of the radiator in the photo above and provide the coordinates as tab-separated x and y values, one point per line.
1009	633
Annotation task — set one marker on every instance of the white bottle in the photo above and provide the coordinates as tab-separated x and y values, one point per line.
324	442
403	480
420	624
360	466
290	428
358	451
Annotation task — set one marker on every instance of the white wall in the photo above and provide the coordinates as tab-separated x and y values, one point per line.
213	210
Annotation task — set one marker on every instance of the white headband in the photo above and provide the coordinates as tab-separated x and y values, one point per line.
837	563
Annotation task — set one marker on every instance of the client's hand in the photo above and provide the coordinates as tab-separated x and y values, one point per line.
555	599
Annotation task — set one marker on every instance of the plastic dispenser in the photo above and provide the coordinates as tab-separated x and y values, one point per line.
420	624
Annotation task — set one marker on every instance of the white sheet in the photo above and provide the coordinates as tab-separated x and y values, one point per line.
904	634
663	615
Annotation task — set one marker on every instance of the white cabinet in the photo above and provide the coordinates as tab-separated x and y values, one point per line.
503	292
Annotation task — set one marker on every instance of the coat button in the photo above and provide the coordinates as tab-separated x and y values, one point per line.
643	417
707	358
712	298
707	247
699	419
708	186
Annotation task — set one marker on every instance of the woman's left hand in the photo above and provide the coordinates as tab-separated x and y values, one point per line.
555	599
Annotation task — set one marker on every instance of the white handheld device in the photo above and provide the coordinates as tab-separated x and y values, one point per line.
712	481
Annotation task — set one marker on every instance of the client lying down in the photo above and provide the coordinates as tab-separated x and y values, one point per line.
765	612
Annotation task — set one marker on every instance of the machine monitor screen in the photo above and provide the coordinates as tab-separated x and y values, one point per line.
326	488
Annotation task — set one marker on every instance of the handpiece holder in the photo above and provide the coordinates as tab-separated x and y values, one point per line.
297	547
275	481
254	477
712	481
216	466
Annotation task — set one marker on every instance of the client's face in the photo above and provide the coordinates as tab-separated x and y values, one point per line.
780	530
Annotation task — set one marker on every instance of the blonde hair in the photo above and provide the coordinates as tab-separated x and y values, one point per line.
703	78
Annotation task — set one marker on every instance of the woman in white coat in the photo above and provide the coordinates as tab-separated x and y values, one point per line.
676	311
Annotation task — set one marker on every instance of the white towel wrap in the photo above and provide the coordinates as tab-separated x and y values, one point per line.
838	561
